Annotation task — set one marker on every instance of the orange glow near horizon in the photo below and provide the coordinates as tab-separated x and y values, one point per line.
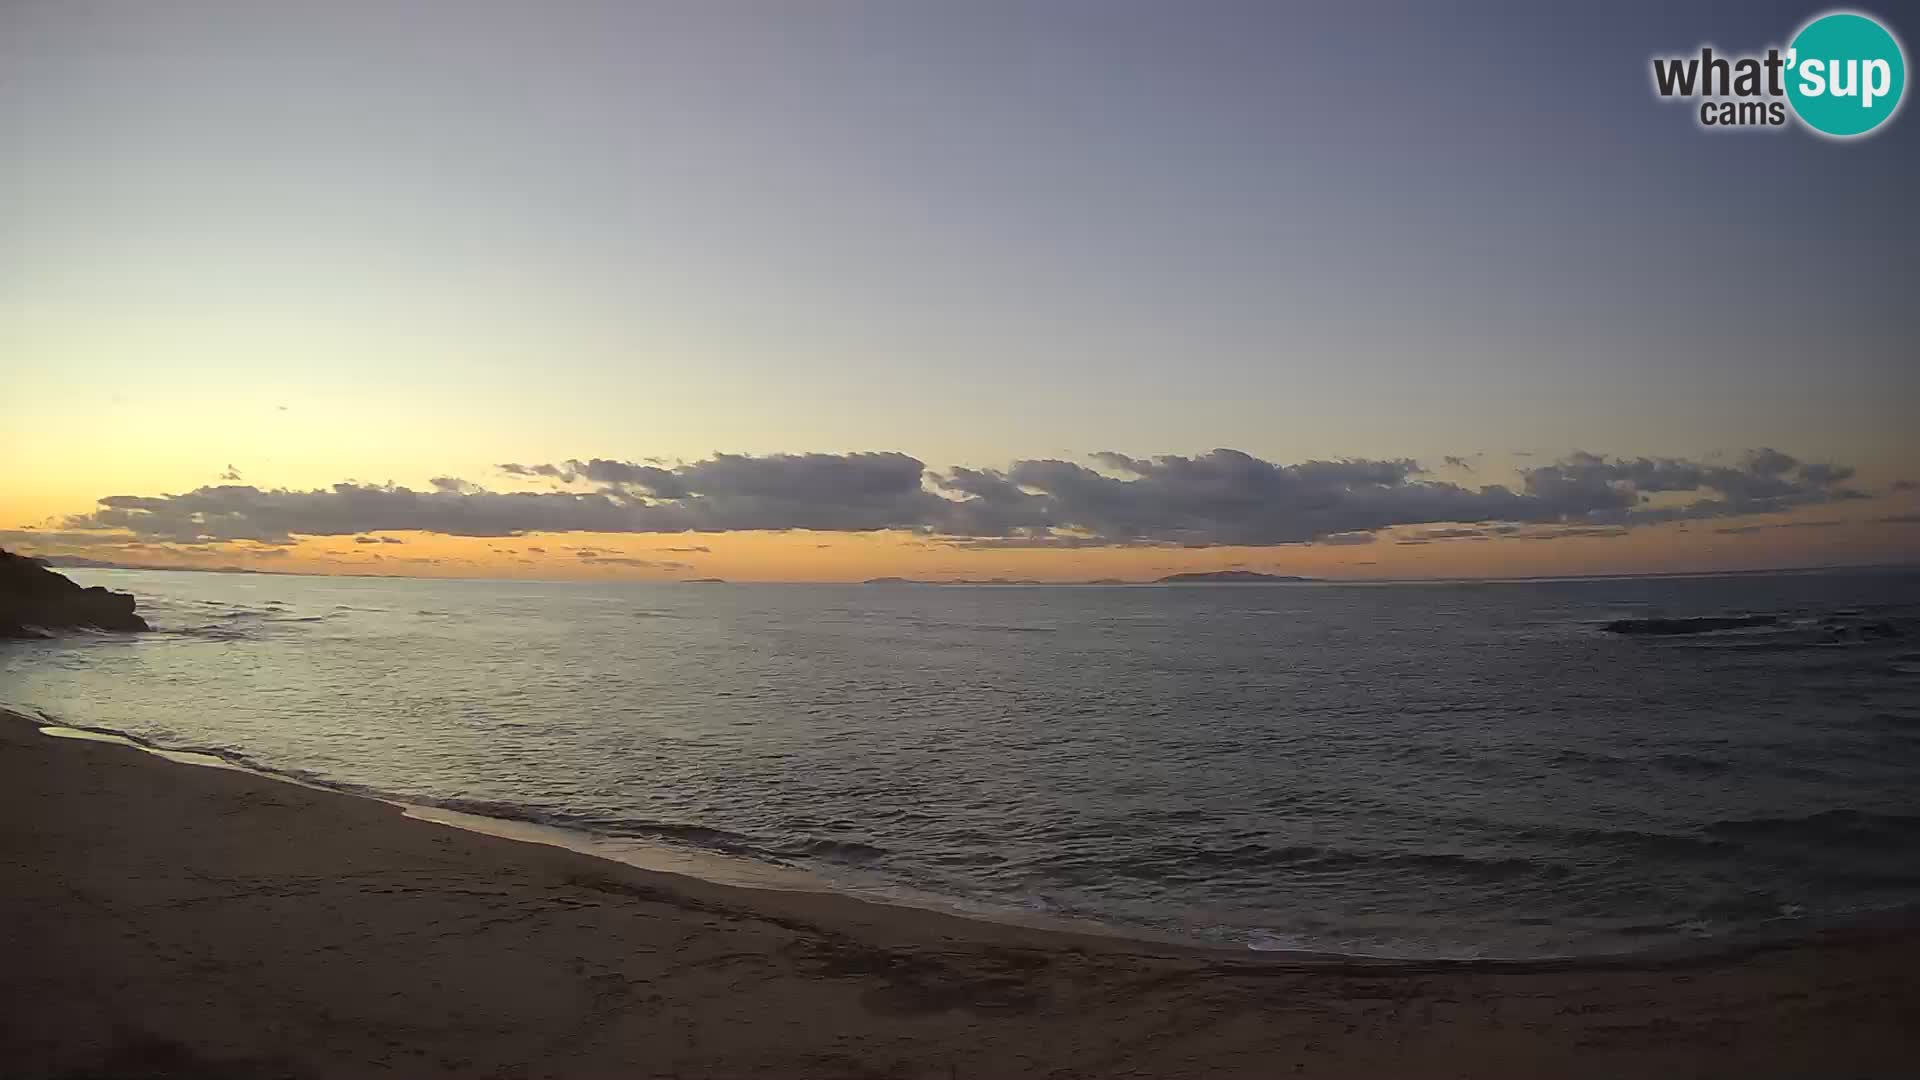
1806	539
1878	530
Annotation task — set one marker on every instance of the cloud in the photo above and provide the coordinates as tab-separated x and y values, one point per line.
1232	498
1621	490
1590	531
618	475
243	512
1427	536
598	558
1224	497
62	538
1738	530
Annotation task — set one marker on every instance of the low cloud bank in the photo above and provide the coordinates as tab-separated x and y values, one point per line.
1225	497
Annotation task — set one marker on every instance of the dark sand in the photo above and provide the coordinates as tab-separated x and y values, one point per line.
159	919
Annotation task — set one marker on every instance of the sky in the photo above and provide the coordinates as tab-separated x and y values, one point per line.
1051	289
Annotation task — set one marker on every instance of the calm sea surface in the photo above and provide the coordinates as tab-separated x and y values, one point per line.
1471	769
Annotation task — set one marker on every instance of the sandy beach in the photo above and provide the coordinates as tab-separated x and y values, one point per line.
167	920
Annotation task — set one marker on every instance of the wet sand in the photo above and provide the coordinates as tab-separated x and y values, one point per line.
162	919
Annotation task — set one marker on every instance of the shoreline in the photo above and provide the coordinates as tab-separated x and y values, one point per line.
222	924
743	872
711	867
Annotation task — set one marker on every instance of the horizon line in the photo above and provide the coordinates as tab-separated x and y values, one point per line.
1279	579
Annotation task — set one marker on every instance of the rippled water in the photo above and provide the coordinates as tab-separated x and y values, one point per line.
1472	769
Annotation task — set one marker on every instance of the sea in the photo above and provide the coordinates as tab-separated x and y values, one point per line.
1469	769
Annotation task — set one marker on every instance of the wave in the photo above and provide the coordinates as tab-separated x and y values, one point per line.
1742	629
184	752
1672	761
210	633
801	849
1640	843
1828	828
1573	840
241	624
981	628
833	851
599	824
1322	858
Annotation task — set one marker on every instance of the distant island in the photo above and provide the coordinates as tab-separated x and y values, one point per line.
1244	577
1220	576
706	581
955	581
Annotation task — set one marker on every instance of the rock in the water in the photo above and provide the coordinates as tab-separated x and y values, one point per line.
1836	632
34	597
1688	626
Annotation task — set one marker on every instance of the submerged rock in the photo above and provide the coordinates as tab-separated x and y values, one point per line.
1689	626
1836	632
34	598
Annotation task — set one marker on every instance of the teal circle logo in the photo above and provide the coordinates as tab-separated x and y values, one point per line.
1845	74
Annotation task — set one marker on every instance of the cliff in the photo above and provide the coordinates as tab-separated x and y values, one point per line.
35	600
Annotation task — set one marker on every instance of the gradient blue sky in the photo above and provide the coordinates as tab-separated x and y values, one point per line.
448	235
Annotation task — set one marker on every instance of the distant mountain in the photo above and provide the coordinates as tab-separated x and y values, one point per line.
1219	576
706	581
893	581
83	562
